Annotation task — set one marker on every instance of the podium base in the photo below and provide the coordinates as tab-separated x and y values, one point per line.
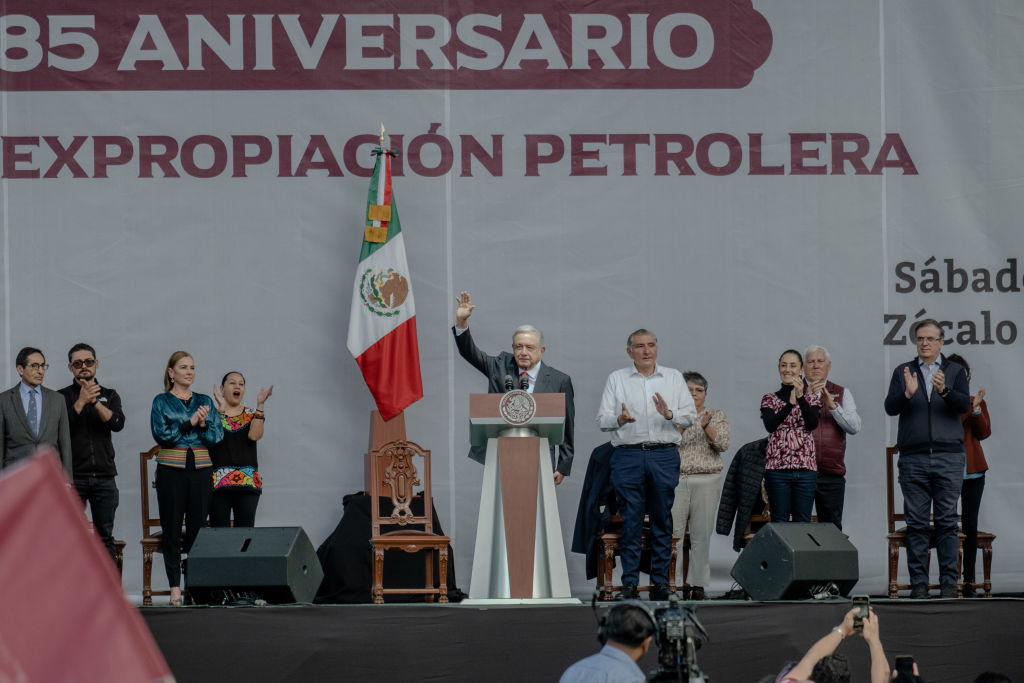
519	557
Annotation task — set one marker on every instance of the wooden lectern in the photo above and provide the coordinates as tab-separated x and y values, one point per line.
519	554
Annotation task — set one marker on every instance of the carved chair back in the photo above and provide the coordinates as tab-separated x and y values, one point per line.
395	482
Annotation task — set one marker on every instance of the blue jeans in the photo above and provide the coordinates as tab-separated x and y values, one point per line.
931	485
645	483
791	492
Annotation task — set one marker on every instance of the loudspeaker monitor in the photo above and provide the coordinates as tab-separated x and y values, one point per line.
277	564
795	561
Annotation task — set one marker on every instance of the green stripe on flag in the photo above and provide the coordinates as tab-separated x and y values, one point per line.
377	182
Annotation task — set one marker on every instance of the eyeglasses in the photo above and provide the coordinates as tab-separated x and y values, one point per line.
928	340
86	363
37	366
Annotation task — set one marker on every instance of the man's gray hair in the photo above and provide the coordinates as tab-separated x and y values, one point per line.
637	333
528	329
816	347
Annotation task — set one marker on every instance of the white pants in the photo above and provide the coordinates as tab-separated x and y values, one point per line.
697	504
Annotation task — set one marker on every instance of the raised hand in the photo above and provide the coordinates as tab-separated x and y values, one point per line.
661	405
89	392
797	382
463	309
909	382
218	399
705	418
978	398
262	397
624	416
939	381
199	417
827	399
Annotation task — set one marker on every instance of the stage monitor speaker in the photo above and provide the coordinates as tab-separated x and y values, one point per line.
276	564
796	561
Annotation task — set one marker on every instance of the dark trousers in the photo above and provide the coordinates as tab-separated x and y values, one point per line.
931	486
645	483
102	497
183	495
790	492
242	503
828	498
970	503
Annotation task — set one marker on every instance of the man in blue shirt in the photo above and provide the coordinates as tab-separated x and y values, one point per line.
626	633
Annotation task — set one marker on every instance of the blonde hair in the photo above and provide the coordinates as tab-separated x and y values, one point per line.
175	357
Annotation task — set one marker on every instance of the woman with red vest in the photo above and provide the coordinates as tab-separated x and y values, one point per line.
976	428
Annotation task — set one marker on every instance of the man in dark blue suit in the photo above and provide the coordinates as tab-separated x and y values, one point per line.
524	365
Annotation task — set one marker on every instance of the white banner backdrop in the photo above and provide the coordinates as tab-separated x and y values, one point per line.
854	167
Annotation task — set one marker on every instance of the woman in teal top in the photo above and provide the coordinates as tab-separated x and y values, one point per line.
182	426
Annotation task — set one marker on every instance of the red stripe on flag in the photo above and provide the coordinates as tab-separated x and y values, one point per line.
387	180
391	368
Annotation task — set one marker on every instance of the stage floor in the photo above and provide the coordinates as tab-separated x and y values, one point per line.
952	640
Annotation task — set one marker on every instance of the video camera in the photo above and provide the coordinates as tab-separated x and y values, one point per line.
680	635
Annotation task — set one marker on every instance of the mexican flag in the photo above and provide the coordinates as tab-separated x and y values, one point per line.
382	322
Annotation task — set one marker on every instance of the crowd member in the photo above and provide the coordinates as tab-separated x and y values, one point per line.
644	406
625	634
183	428
524	364
790	416
929	394
32	416
236	479
94	412
700	467
821	665
837	418
992	677
977	427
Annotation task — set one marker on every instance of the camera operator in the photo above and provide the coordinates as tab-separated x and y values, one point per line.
626	633
821	665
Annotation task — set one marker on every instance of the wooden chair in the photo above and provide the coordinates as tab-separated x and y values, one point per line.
610	538
897	538
394	484
152	534
119	550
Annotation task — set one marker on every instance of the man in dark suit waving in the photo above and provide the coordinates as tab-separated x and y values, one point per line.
525	366
32	416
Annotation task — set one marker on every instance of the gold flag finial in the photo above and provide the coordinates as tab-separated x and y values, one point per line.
382	134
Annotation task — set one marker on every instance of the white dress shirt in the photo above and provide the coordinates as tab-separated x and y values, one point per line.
637	392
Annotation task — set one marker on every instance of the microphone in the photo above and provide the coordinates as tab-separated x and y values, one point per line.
524	382
509	384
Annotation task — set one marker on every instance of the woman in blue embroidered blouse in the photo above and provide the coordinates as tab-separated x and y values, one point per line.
236	479
181	424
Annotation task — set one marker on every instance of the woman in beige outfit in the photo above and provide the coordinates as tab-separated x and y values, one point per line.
700	467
